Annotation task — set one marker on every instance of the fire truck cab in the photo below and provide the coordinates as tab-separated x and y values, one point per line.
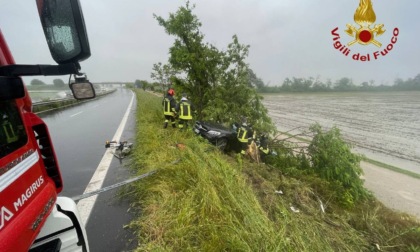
32	216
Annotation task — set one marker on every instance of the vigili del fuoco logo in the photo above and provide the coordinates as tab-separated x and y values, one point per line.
365	33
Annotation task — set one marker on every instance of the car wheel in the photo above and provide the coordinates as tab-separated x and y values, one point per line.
221	144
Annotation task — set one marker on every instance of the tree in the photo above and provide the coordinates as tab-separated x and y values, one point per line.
319	86
300	84
59	83
163	74
218	82
36	82
286	86
254	80
235	83
137	83
410	84
144	84
156	86
344	84
190	55
416	82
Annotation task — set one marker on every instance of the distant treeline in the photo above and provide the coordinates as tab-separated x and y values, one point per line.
343	84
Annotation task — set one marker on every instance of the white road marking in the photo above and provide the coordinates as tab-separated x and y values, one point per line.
85	206
76	114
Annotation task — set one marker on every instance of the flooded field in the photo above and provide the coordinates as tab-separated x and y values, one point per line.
382	126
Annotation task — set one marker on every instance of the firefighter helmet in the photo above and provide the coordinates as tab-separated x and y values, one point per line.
171	92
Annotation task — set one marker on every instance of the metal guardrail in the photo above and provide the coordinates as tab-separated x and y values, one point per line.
50	102
70	101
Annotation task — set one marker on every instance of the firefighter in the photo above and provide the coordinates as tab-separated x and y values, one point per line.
169	105
245	136
263	146
185	109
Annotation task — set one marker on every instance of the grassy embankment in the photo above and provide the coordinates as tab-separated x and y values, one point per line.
203	200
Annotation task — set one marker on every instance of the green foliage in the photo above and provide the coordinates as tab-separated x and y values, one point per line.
144	84
332	159
234	82
220	83
254	81
162	74
37	82
344	84
407	85
190	55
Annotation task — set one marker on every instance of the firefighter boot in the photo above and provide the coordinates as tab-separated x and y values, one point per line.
165	125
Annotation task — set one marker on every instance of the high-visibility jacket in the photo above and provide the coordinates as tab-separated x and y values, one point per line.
9	132
185	108
264	145
244	133
169	105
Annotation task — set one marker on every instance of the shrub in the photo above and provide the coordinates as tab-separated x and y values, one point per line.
331	159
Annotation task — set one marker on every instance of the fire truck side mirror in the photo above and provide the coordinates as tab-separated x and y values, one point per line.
64	29
11	88
82	90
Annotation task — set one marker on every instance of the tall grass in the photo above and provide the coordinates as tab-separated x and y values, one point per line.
199	203
203	200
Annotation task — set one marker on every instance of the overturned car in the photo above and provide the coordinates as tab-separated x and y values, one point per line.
220	136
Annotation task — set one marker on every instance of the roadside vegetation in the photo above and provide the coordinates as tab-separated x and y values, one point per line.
203	200
220	83
307	140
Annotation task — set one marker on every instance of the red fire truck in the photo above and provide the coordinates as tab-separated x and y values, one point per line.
32	215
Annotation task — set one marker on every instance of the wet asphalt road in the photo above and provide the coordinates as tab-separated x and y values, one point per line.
79	134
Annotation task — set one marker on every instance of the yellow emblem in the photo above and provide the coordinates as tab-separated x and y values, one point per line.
365	17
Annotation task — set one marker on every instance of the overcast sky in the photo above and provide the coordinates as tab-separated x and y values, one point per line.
288	38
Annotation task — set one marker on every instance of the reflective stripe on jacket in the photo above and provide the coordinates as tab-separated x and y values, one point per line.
185	110
265	150
264	145
168	106
243	135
